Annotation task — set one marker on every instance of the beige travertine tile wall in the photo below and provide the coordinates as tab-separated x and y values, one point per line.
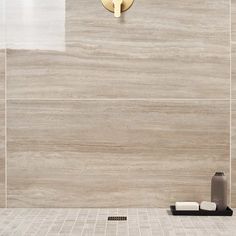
233	105
2	72
2	153
131	112
114	153
2	23
2	124
158	50
233	153
233	21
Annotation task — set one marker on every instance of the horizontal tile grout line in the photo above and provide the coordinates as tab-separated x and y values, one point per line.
114	99
55	43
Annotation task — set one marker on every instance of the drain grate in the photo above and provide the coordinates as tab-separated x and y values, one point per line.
117	218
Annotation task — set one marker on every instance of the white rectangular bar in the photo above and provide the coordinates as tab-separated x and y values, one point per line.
187	206
208	206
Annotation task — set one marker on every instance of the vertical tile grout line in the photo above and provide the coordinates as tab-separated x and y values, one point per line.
105	231
76	219
5	128
5	96
96	220
53	222
85	222
149	222
68	213
230	100
127	213
138	223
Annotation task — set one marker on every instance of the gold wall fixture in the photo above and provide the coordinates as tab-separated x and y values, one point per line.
117	6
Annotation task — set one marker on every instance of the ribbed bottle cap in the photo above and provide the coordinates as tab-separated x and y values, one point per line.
219	174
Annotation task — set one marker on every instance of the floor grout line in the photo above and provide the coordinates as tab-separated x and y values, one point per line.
13	216
76	219
68	211
34	218
85	222
107	213
44	220
127	214
95	224
138	222
50	227
22	221
148	220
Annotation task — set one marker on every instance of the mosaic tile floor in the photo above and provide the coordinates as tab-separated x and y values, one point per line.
85	222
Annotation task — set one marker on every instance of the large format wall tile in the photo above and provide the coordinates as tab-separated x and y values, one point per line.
114	70
2	123
114	153
152	21
233	154
158	49
35	21
233	20
2	73
2	22
233	89
2	153
233	70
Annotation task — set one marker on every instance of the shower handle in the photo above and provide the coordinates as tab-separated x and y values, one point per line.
117	6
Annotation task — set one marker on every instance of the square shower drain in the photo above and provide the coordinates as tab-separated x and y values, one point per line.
118	218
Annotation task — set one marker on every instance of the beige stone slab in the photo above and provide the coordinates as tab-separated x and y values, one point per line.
35	21
2	153
114	153
151	22
114	70
157	49
190	21
233	20
233	70
233	89
233	176
2	22
2	72
233	154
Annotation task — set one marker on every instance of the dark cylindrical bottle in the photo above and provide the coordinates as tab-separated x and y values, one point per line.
219	190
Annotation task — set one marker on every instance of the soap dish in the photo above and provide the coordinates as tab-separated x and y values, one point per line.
227	212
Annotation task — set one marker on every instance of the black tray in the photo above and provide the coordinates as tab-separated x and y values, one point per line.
227	212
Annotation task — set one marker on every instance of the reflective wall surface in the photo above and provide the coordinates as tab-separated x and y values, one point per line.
107	112
31	24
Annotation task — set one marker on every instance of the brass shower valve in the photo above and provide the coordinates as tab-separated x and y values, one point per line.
117	6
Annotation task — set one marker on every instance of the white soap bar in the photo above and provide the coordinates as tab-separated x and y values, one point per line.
187	206
208	206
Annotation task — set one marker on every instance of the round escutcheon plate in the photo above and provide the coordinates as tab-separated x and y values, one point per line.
108	4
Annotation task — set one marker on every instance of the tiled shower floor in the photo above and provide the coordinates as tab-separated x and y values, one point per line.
141	221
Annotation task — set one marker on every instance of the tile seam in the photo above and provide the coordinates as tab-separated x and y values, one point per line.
5	104
5	130
115	99
230	105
